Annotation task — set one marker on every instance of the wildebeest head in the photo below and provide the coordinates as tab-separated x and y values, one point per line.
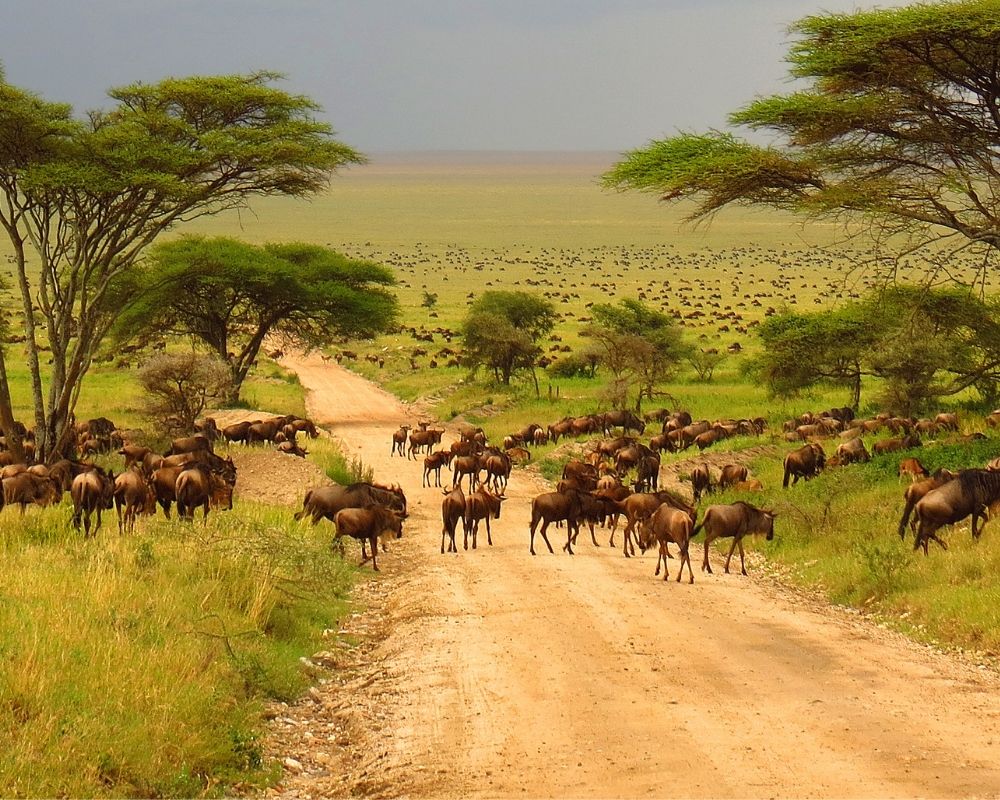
769	516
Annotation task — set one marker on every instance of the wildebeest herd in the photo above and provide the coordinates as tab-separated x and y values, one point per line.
616	477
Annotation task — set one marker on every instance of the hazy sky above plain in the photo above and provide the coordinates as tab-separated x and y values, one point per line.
433	74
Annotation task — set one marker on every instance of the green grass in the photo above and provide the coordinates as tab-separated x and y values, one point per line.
137	665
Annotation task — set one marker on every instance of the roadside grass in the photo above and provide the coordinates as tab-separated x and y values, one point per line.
137	665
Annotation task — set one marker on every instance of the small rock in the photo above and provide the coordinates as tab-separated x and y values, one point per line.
315	694
292	765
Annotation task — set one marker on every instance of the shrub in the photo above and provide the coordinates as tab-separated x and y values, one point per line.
180	386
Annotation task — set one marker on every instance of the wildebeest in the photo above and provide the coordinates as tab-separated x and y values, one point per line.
624	419
452	510
399	440
949	420
190	444
325	501
732	474
134	454
853	452
892	445
92	491
481	505
291	449
422	440
27	488
498	466
198	486
133	495
735	520
433	463
555	507
971	493
668	524
915	492
913	468
367	525
639	507
701	480
806	462
466	465
237	432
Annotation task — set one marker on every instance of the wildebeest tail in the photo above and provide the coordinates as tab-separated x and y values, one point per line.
305	504
784	482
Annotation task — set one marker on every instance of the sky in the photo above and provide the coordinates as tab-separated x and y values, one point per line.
405	75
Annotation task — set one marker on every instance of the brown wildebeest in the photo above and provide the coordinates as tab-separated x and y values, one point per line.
466	465
134	454
806	462
616	493
916	491
708	438
626	420
595	508
291	449
736	520
498	466
518	455
540	437
701	481
639	507
133	495
668	524
433	463
913	468
853	452
163	480
555	507
971	493
237	432
893	445
732	474
562	428
92	491
452	510
198	486
208	427
948	421
262	431
422	440
752	485
27	488
306	426
367	525
325	501
481	504
190	444
399	441
580	469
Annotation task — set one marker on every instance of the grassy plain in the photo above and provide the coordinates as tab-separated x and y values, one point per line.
97	634
456	225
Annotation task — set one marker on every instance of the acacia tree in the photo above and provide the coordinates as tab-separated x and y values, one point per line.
502	330
640	346
231	295
85	197
924	344
899	127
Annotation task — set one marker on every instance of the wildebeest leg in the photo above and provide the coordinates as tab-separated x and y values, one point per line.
545	524
706	564
743	569
593	537
975	517
205	518
571	533
732	549
444	533
465	532
489	536
374	543
686	556
165	505
662	556
475	532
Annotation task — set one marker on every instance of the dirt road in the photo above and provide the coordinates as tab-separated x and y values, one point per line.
505	675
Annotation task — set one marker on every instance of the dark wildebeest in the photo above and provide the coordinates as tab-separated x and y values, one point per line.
647	477
198	486
237	432
555	507
452	510
422	440
668	524
466	465
893	445
367	525
92	491
853	452
616	493
27	488
732	474
916	491
639	507
806	462
133	495
326	501
949	421
736	520
433	463
971	493
399	441
291	449
498	466
134	454
306	426
208	427
624	419
701	481
481	504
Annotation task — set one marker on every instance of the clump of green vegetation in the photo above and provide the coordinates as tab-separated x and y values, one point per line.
138	665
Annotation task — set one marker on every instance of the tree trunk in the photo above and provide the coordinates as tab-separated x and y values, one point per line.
13	438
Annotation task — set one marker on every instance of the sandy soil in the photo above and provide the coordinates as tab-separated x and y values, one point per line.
495	674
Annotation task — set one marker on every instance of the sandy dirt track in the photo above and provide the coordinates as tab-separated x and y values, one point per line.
498	674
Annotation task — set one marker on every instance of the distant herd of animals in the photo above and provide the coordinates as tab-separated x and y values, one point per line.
617	476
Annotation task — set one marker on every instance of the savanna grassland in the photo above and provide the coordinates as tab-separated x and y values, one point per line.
182	633
458	224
